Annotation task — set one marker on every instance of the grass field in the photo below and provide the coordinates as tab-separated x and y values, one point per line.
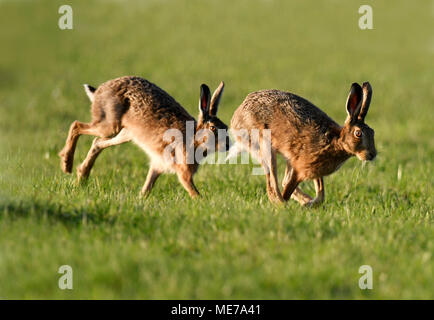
232	243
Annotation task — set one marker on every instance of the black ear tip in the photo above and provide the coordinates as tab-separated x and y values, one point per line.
366	84
89	87
204	91
356	89
355	85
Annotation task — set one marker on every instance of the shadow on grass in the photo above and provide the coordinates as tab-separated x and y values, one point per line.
55	213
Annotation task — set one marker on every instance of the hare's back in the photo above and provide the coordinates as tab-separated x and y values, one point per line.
145	100
274	106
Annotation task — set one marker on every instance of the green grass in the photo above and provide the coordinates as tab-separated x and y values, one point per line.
231	243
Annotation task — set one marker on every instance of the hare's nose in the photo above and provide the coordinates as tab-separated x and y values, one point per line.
372	156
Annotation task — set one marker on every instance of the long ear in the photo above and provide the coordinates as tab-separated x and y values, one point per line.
90	91
354	102
204	101
367	95
215	100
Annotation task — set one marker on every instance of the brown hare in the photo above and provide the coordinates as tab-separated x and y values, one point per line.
132	108
313	144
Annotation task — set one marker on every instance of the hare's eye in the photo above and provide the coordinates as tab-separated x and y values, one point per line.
358	133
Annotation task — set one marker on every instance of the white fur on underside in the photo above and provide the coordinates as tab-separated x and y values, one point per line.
155	159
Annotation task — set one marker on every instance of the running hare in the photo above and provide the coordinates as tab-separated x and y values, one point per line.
312	143
132	108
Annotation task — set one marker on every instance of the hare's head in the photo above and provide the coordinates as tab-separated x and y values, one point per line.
356	136
209	126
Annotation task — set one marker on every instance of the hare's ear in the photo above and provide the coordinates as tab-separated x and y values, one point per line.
215	100
354	102
367	95
204	102
90	91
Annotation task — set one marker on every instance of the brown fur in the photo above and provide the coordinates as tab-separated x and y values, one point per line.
132	108
313	144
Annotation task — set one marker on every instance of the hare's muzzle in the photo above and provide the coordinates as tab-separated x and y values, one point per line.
371	156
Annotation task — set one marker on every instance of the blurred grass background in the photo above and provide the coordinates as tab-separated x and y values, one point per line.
231	243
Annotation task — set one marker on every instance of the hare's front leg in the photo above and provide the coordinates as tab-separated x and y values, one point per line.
186	179
290	187
320	194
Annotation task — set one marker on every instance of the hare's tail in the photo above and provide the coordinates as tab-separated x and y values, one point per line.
90	91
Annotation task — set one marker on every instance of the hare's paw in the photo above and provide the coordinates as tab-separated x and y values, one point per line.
66	161
275	197
82	174
313	203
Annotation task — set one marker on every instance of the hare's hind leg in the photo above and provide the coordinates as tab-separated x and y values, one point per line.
301	197
105	124
297	194
269	165
270	168
153	175
98	145
76	129
267	158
